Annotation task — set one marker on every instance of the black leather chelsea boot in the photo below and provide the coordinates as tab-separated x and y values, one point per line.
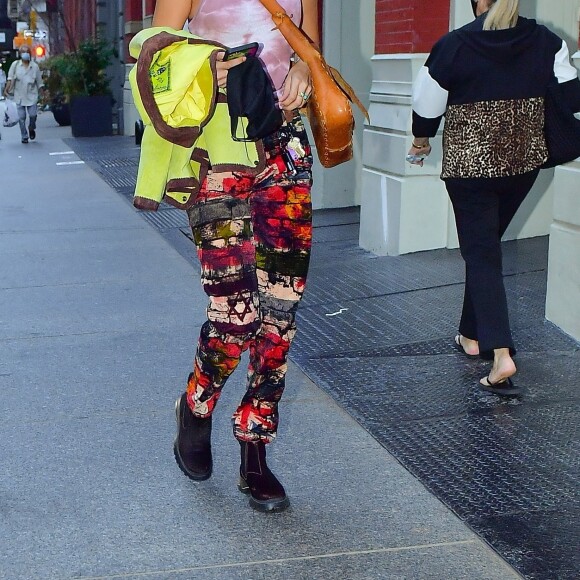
192	447
266	492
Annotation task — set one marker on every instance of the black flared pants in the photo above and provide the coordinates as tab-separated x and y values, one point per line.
483	210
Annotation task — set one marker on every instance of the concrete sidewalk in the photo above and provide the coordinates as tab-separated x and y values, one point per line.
99	317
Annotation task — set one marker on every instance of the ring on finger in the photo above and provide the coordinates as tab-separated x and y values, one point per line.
304	95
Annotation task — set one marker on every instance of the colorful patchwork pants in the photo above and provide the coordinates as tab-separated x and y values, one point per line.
253	236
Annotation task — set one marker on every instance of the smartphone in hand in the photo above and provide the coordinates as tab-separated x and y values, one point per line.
250	49
415	158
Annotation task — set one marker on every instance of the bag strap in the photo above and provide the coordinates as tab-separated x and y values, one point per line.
349	91
302	46
299	42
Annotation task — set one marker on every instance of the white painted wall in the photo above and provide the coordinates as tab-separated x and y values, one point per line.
348	45
404	208
130	114
563	296
561	16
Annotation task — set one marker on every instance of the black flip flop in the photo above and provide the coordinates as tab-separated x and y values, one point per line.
505	387
457	345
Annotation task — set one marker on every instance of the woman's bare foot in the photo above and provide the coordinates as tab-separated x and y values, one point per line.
503	367
471	347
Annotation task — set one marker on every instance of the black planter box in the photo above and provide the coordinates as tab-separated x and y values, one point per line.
91	116
61	114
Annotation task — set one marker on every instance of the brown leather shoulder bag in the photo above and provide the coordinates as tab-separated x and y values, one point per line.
329	107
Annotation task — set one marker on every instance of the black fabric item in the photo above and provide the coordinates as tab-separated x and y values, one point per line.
487	65
251	95
561	127
483	210
477	65
504	45
423	127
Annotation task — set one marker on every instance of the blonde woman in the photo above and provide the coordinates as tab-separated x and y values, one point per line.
489	79
253	234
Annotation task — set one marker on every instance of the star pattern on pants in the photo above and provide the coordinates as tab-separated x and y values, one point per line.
239	300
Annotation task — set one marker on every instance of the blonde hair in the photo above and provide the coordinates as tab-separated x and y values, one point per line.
503	14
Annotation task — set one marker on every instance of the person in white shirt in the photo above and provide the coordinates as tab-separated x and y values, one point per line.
25	81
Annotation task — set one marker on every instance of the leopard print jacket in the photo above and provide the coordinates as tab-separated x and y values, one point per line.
494	138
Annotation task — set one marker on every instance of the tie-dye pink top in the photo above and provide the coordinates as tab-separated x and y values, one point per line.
236	22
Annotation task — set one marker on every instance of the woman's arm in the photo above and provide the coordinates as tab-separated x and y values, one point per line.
297	83
429	103
420	148
174	13
310	20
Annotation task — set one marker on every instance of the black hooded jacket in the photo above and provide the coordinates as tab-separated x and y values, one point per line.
490	85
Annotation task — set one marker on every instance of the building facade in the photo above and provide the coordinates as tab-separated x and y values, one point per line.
79	19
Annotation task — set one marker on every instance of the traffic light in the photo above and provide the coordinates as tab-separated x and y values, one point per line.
40	51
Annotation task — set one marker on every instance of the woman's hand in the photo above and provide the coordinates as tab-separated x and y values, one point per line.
420	149
222	68
297	88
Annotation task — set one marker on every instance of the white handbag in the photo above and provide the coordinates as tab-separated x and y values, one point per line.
10	113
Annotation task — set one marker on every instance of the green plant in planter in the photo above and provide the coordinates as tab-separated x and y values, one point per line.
82	72
54	94
83	81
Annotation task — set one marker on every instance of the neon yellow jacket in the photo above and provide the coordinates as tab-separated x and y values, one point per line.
187	124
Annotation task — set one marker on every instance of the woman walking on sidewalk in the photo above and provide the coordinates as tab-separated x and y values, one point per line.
489	79
253	235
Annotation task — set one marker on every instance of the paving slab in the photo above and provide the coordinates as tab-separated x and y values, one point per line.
99	494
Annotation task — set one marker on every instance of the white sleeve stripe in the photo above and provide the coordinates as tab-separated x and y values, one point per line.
429	98
563	69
